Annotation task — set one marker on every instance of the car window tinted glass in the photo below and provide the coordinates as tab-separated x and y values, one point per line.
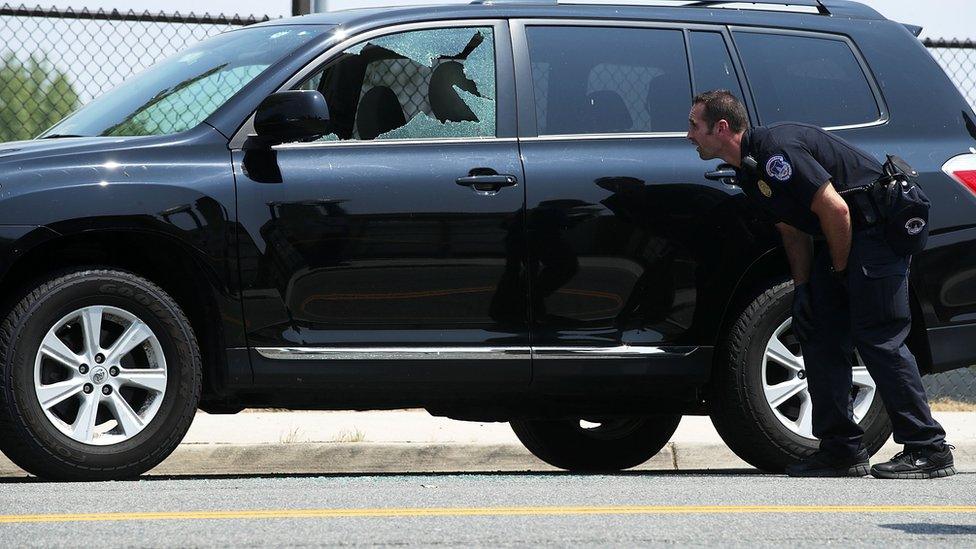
712	64
803	79
596	80
180	92
424	84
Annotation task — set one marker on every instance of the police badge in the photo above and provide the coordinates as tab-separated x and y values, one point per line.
764	189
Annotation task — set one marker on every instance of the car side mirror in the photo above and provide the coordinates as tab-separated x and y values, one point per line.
724	173
286	116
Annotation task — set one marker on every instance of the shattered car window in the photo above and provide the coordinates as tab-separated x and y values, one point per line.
415	85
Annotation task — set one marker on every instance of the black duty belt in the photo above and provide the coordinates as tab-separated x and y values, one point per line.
861	203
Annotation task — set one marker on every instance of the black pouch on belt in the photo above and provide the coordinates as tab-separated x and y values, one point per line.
903	206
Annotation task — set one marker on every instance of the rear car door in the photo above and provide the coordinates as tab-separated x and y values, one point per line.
392	242
624	232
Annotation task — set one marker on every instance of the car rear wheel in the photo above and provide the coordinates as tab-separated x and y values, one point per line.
608	444
761	404
100	377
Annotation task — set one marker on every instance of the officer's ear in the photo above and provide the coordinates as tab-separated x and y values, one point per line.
722	126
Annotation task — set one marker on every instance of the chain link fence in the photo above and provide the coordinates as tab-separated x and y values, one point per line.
958	60
53	61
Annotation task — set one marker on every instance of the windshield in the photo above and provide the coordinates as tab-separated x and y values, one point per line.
182	91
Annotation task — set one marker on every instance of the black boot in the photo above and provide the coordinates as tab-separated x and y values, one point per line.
918	463
825	464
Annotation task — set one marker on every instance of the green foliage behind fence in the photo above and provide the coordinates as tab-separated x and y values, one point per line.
54	60
33	96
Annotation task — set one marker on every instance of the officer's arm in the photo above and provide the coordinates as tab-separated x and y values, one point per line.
835	220
799	251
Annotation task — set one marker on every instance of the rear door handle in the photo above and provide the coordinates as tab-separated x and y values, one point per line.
487	183
724	173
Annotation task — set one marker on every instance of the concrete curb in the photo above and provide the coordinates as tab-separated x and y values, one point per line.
314	458
347	458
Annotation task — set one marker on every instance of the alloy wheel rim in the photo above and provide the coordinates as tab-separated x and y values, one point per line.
788	396
100	375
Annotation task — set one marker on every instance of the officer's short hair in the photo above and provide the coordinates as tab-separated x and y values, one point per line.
721	104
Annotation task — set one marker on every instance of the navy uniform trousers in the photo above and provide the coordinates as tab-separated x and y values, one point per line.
871	314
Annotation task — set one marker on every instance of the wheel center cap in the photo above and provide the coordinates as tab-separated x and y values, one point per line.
98	375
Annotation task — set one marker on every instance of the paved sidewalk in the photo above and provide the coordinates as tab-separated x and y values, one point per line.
414	441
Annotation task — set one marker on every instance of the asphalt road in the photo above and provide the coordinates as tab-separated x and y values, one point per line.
646	508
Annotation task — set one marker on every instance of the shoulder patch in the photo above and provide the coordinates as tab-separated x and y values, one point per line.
778	168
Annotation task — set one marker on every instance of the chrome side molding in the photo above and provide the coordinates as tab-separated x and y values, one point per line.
465	353
392	353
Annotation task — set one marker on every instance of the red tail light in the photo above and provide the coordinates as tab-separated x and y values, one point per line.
968	178
962	168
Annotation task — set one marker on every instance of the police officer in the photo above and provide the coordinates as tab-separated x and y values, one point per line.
853	294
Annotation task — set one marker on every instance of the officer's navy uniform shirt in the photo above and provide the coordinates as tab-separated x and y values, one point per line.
793	161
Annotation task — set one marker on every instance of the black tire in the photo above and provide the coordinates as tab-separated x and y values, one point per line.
739	409
31	440
614	445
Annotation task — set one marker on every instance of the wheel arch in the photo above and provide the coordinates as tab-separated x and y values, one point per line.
766	270
182	271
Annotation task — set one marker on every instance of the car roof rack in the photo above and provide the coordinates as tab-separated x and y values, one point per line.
820	7
526	2
804	6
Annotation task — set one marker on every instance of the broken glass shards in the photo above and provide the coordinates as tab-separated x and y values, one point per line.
483	109
422	47
480	65
423	126
417	76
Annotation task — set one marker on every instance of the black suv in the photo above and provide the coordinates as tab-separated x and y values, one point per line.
488	211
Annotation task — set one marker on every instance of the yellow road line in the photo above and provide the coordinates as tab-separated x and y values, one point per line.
486	511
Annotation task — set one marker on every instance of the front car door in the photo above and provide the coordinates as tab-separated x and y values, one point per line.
395	242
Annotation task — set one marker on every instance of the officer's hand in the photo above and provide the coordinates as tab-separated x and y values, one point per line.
802	312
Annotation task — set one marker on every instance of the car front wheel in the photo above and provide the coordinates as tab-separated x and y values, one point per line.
100	377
